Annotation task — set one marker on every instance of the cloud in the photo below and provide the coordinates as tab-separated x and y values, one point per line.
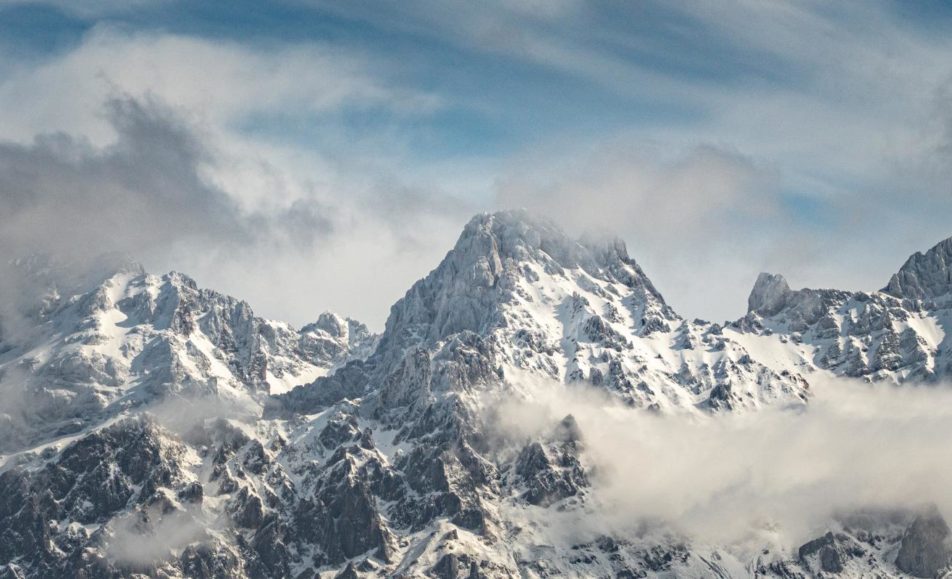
65	199
687	217
153	194
149	195
617	187
831	111
143	195
138	540
63	196
217	83
705	219
182	416
725	478
139	143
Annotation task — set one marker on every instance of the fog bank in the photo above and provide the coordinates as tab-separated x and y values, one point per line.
727	478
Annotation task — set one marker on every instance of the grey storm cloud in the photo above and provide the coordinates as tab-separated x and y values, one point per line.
69	210
154	194
62	196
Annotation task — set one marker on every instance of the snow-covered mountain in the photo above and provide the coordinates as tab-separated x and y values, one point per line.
895	334
529	299
159	429
130	337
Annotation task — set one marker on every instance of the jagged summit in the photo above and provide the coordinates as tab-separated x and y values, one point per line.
328	322
133	339
896	334
924	275
517	294
518	235
768	295
497	256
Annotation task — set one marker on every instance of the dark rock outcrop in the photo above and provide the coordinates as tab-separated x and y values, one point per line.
925	547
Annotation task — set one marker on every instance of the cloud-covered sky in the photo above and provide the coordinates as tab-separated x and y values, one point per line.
309	155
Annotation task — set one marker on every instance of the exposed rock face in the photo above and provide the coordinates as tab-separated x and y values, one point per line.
769	295
529	299
331	341
830	553
925	275
493	257
553	471
926	547
162	435
46	514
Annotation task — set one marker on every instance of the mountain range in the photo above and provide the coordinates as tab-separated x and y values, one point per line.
153	428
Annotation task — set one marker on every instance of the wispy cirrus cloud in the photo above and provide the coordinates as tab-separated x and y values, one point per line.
216	82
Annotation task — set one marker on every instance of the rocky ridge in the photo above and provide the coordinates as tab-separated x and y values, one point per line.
382	462
896	334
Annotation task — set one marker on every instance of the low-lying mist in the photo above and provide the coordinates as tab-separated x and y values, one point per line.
776	474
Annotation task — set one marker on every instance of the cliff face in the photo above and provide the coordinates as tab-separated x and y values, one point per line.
924	276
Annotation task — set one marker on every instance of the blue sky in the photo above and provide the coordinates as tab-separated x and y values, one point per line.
354	139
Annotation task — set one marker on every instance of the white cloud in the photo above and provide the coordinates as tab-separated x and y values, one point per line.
834	105
133	142
140	541
216	83
622	188
687	218
354	247
723	478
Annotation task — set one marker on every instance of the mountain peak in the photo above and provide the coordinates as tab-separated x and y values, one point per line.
497	258
329	322
924	275
768	295
521	236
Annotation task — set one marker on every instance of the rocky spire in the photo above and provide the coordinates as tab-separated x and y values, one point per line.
769	294
924	275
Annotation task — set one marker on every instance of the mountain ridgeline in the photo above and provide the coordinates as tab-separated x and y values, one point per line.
152	428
